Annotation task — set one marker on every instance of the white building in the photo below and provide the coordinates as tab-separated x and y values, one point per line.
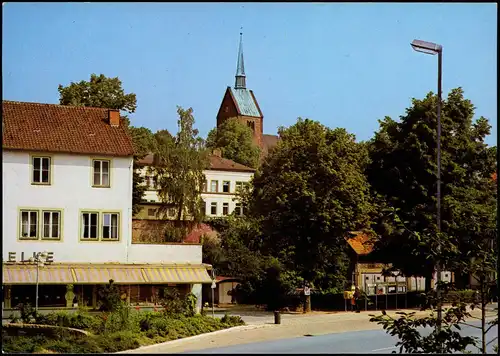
67	189
224	178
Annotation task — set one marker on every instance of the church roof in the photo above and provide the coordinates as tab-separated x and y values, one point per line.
245	102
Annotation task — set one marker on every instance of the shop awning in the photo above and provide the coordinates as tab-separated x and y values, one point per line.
102	273
177	275
26	274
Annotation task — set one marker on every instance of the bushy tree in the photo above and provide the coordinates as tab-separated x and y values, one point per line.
402	174
307	195
179	172
235	140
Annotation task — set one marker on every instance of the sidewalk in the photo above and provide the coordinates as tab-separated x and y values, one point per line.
292	326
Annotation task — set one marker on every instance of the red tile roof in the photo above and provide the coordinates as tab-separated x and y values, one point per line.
58	128
361	243
268	143
222	164
216	163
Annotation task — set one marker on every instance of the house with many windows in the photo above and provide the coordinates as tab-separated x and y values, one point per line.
67	189
224	178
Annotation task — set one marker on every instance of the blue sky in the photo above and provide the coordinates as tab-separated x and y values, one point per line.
343	64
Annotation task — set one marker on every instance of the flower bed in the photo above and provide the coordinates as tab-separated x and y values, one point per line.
112	332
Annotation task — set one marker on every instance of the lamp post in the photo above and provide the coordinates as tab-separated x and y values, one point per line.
433	49
39	259
213	291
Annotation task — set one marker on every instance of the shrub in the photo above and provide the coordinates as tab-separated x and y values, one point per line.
16	344
27	312
110	298
118	341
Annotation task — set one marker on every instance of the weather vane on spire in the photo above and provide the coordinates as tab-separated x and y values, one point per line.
241	31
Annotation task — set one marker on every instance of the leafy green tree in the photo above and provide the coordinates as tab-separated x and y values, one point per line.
309	192
179	173
99	92
234	139
402	174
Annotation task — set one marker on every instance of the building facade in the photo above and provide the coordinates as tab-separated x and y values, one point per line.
67	189
223	179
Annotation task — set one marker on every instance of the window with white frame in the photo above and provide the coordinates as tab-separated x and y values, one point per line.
41	170
213	208
101	173
238	209
214	185
204	186
29	224
90	222
51	225
110	224
225	208
226	186
238	186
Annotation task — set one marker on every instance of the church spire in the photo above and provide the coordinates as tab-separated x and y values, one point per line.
240	68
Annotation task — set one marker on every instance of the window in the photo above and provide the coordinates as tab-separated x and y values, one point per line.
238	209
204	208
51	225
110	223
225	208
204	186
89	225
238	186
213	208
150	182
225	186
41	170
29	224
101	173
151	212
172	212
214	185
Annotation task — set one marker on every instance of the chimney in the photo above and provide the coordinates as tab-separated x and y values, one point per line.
114	117
217	152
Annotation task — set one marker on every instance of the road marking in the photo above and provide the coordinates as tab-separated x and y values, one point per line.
384	348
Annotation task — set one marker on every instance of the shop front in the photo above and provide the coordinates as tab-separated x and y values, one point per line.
71	286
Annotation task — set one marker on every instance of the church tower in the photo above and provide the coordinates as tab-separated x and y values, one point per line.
239	103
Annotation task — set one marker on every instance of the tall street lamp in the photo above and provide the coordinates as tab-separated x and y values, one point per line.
39	258
433	49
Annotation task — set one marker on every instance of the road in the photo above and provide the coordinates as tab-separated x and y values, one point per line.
367	341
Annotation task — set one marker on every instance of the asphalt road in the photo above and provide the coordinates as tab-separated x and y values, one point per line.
373	341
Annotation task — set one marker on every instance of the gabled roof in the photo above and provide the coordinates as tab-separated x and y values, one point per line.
269	142
223	164
245	102
58	128
216	163
360	242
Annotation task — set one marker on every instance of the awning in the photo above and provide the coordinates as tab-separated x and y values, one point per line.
177	275
26	274
101	274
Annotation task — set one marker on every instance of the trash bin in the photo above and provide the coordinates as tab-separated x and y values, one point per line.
277	317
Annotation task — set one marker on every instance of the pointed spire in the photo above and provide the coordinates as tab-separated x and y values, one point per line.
240	68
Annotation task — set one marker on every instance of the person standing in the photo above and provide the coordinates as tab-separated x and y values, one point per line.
356	297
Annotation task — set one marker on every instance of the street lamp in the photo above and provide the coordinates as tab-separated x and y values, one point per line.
433	49
39	258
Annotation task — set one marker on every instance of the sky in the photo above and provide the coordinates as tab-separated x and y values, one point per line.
342	64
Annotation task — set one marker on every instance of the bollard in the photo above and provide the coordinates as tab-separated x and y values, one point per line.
277	317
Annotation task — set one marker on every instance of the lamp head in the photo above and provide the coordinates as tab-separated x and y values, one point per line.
426	47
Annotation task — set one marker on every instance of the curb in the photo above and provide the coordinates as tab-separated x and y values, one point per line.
199	336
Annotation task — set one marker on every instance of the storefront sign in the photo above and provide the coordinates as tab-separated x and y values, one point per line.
12	257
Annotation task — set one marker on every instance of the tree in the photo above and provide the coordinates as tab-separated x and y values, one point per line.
179	173
309	192
99	92
103	92
402	173
235	141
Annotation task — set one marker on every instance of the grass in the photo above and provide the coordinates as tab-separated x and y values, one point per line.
114	332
